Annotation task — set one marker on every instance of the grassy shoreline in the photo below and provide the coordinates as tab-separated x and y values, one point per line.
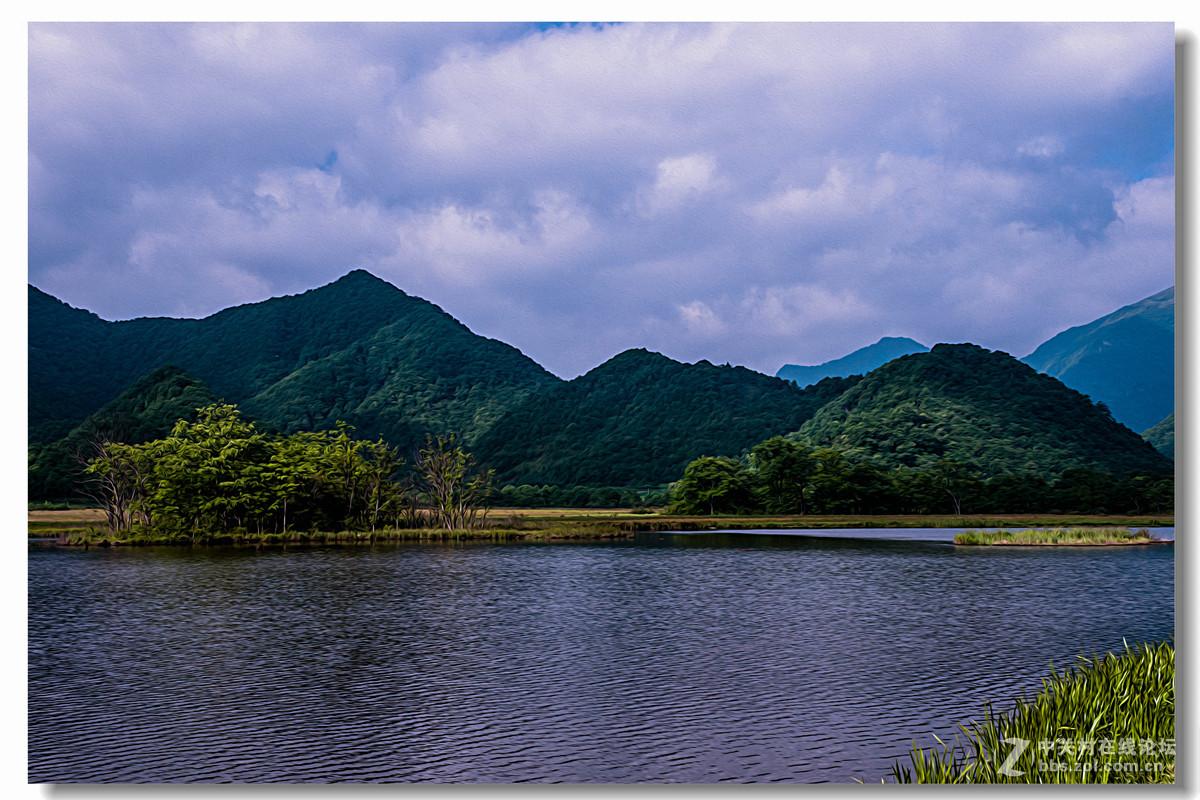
1108	719
86	527
1060	537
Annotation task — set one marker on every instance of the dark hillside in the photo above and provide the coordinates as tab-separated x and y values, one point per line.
639	418
978	407
358	349
1125	359
146	410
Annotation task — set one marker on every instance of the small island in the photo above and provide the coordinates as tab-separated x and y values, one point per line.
1062	537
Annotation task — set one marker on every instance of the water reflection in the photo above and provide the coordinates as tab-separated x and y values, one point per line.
675	658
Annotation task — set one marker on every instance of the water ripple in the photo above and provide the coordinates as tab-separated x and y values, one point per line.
676	659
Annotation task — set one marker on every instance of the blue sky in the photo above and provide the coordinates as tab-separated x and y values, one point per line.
757	194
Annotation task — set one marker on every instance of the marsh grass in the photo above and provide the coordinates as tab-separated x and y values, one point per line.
1061	536
1108	719
522	531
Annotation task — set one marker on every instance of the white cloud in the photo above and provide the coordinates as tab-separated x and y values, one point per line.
679	181
758	194
1042	147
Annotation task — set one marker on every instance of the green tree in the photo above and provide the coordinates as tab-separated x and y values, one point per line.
712	485
784	468
456	489
956	480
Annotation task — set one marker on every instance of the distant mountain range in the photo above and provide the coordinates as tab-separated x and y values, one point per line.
398	367
860	362
1125	360
977	407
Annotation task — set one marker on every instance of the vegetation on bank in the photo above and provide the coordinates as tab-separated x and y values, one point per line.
221	476
93	537
782	476
1058	536
1109	719
86	526
217	474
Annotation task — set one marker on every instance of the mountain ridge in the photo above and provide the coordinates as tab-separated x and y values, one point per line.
858	362
979	407
395	366
242	352
1125	359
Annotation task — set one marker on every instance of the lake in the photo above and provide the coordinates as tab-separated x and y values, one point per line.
718	657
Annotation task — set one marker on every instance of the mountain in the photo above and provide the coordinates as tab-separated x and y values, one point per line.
860	362
358	350
978	407
146	410
65	381
640	417
1125	360
1162	436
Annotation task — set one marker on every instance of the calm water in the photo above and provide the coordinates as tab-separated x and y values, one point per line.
675	658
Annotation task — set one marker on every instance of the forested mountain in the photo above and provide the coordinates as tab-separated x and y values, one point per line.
398	367
640	417
358	350
1125	359
65	382
146	410
1162	436
860	362
981	408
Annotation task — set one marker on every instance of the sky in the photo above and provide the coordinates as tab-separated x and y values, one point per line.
754	194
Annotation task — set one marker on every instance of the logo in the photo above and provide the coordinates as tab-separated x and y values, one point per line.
1006	768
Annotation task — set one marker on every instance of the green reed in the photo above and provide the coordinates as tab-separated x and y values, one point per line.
1109	719
1036	536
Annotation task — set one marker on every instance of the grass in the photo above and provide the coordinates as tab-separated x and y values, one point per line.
1108	719
1058	536
98	536
87	526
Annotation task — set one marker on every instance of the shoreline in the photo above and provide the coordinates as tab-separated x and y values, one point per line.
85	527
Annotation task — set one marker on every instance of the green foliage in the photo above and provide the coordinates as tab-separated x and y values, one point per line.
549	496
981	409
146	410
785	477
448	476
1037	536
358	350
1109	719
640	418
713	486
220	474
784	471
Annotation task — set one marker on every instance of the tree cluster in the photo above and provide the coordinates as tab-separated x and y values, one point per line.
781	476
220	474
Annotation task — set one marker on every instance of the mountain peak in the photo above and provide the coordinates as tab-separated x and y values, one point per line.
1126	359
361	276
973	405
859	362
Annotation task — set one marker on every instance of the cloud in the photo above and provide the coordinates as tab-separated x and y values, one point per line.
678	181
758	194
